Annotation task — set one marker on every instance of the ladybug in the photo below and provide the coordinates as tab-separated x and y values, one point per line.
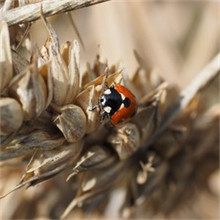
117	103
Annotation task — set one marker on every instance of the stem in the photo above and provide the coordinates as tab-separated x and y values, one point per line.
32	12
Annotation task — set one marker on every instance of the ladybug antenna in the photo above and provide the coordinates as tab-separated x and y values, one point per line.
104	83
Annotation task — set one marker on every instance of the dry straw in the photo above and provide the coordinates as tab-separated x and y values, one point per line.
46	125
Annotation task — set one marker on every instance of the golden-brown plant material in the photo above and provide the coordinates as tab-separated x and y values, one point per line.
32	10
5	56
169	149
11	116
125	141
72	123
64	72
30	90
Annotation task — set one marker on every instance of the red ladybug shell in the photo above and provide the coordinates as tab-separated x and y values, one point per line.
123	113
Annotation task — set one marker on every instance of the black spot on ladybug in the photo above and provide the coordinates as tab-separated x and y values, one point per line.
127	102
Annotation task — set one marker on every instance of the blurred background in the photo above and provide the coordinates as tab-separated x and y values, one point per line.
177	37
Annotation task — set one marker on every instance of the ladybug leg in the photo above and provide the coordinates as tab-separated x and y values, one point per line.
96	106
106	85
104	115
93	107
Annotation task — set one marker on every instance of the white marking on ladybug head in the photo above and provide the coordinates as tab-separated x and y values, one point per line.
108	109
107	92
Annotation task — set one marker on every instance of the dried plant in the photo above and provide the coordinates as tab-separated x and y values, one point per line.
161	159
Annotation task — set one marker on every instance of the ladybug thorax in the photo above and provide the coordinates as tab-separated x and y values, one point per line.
111	101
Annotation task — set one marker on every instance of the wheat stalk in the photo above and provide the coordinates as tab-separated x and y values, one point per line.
32	12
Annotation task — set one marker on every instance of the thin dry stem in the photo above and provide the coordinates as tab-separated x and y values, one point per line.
70	16
32	12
